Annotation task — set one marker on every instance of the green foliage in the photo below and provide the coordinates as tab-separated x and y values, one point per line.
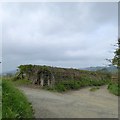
60	87
114	88
116	59
15	104
75	84
0	98
22	82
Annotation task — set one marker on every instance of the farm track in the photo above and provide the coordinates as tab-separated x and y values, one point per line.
73	104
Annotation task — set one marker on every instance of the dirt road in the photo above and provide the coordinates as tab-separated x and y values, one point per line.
74	104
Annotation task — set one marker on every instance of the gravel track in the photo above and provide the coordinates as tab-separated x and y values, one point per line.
73	104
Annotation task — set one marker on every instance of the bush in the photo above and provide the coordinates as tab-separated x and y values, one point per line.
60	87
15	104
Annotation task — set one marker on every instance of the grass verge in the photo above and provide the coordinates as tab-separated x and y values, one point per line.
0	98
15	104
74	84
114	88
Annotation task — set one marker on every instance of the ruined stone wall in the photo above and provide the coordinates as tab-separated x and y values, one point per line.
48	76
40	75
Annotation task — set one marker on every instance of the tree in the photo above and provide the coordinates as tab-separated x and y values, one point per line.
116	59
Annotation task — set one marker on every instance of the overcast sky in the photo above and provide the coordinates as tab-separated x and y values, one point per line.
58	34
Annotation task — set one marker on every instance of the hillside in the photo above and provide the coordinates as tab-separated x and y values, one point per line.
111	68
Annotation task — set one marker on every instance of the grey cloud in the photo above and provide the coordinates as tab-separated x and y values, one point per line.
62	34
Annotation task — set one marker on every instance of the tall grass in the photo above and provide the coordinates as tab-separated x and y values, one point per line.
75	84
114	88
15	104
21	82
0	98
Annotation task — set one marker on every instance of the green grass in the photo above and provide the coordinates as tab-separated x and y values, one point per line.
15	104
93	89
75	84
114	88
21	82
0	98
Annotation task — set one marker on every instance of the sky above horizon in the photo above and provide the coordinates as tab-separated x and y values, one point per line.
74	35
